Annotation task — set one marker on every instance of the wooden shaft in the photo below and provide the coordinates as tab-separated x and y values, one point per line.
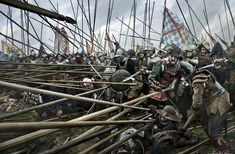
93	82
34	135
61	65
115	145
52	93
5	127
9	115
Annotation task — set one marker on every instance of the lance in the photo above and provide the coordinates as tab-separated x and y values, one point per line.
64	25
211	37
93	82
8	38
37	10
121	30
221	27
223	41
108	138
65	146
107	21
134	31
229	33
75	16
187	22
126	138
11	25
191	18
38	38
40	133
56	71
41	83
144	27
57	94
9	115
62	65
227	2
24	30
89	26
105	140
57	10
128	26
140	37
94	23
69	41
151	19
206	17
5	127
134	14
183	15
76	141
153	30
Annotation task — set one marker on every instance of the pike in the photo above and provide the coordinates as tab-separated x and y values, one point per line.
223	41
68	40
222	30
121	30
52	93
128	26
153	30
89	26
8	38
126	138
231	15
187	22
191	18
183	16
9	115
134	31
140	37
6	127
40	133
206	17
134	14
24	30
211	37
74	142
144	26
229	33
37	10
62	65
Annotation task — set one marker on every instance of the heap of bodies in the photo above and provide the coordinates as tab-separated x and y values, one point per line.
190	80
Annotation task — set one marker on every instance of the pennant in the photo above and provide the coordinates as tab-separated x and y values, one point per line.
174	31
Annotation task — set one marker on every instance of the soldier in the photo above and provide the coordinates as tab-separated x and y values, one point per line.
191	55
164	76
211	104
141	59
164	130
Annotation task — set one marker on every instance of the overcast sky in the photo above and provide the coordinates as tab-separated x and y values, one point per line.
122	8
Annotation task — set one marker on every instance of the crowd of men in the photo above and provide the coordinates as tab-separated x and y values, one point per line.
198	79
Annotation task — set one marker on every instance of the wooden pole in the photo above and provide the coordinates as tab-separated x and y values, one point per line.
9	115
52	93
6	127
34	135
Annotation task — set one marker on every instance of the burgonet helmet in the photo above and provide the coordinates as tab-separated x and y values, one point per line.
170	113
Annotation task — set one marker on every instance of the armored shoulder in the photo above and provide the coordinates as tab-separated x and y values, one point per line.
201	76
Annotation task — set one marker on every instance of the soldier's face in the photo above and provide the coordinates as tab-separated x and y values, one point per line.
204	52
189	54
141	55
173	60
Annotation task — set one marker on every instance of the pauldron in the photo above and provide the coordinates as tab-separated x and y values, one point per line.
216	89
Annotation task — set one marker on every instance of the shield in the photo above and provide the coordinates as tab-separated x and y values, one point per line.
119	76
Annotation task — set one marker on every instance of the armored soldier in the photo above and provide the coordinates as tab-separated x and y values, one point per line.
211	104
164	130
164	75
